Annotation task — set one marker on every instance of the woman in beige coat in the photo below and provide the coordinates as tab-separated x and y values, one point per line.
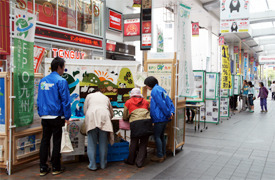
98	114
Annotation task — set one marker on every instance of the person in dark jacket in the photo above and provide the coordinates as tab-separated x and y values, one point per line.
136	110
263	93
162	111
54	108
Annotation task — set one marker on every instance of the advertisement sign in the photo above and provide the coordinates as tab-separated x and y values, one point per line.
245	66
145	16
251	60
2	104
234	16
195	29
230	26
236	49
110	46
24	72
267	60
221	40
115	20
160	40
186	76
68	54
240	63
234	9
132	27
137	3
37	57
226	70
146	40
4	27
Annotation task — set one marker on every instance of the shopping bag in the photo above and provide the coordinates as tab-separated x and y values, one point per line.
83	129
66	145
124	125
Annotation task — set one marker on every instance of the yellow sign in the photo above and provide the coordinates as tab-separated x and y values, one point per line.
226	71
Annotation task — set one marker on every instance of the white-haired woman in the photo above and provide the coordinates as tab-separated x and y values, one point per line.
136	110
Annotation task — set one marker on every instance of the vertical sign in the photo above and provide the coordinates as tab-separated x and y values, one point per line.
160	40
37	57
24	71
4	27
186	76
195	29
221	40
2	104
145	25
236	56
226	72
245	60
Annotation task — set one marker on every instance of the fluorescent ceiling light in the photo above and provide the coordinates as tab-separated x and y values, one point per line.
261	25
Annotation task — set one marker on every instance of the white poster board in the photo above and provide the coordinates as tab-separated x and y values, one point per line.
212	111
224	107
199	77
211	85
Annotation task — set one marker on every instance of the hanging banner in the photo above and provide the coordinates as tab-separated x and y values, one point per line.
137	3
221	40
160	40
37	57
234	16
245	66
24	72
186	76
2	104
146	25
226	71
195	29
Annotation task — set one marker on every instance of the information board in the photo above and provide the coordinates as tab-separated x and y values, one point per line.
199	77
212	111
237	85
224	107
211	85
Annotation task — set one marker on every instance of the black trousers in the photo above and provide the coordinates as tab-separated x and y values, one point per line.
188	114
138	150
51	127
273	95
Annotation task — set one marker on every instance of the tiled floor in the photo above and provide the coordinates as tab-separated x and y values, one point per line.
242	147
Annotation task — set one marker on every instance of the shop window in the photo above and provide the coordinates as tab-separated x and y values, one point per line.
67	14
23	5
46	11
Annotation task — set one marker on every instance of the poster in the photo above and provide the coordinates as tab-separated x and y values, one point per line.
77	139
226	70
195	29
224	107
27	145
199	77
180	126
37	57
163	74
237	85
212	111
245	61
24	72
2	104
211	85
234	16
160	40
115	79
186	77
224	92
202	111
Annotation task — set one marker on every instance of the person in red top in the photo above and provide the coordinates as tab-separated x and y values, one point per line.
136	111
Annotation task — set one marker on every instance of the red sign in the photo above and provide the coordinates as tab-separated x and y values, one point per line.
146	27
69	37
68	54
110	46
4	27
131	27
236	49
251	60
115	20
38	53
221	40
195	29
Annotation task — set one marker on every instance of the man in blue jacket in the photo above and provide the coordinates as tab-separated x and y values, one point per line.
162	111
54	108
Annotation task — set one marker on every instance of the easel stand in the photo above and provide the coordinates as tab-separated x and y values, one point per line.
163	66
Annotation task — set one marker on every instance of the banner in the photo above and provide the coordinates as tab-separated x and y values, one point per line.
186	76
221	40
38	56
226	71
234	16
245	66
146	25
24	72
160	40
195	29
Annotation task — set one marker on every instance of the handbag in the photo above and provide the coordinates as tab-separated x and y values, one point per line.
124	125
83	129
66	145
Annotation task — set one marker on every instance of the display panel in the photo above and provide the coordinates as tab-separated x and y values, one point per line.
212	111
199	77
211	85
224	107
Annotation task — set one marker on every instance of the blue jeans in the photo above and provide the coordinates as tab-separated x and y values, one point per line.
159	129
94	136
263	103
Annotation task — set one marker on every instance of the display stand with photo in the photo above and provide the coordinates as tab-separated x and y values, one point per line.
199	77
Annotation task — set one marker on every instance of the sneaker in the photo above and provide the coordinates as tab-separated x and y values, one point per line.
127	162
44	172
164	156
262	111
91	169
157	159
252	111
266	111
56	172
